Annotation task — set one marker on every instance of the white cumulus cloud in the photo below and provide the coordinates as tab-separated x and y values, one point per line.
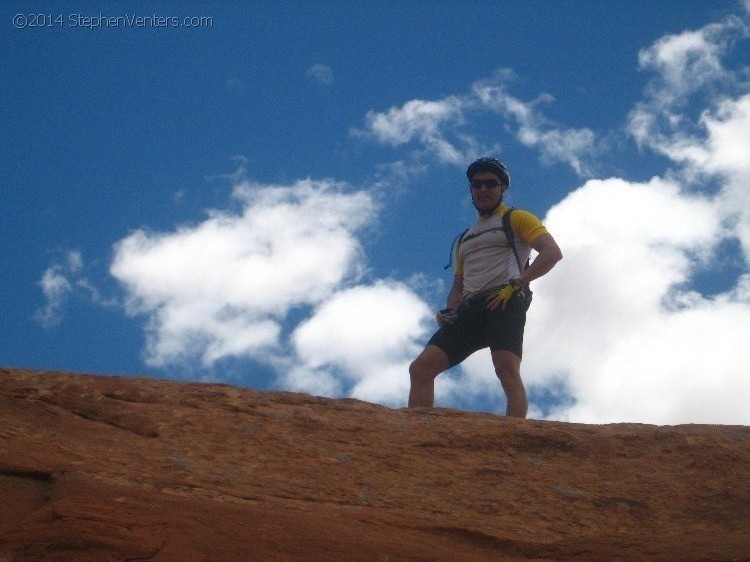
443	128
617	320
360	342
424	121
221	288
57	286
574	147
684	65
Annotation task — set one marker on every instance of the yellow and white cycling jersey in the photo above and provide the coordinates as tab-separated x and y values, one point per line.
484	256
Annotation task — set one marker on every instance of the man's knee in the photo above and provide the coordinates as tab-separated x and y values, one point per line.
507	368
508	371
419	371
429	364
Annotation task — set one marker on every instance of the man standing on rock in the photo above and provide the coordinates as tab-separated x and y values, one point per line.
490	295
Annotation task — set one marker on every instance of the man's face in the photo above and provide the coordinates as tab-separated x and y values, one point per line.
486	190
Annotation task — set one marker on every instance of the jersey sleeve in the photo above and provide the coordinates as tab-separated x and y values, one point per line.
527	225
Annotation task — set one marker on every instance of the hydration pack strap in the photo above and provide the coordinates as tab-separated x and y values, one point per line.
510	235
456	242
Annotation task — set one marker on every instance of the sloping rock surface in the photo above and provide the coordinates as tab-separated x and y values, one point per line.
99	468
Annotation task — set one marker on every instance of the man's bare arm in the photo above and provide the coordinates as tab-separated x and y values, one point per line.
549	255
456	294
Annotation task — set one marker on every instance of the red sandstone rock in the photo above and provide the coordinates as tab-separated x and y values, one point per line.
105	468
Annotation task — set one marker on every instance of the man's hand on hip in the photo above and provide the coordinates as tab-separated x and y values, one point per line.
504	295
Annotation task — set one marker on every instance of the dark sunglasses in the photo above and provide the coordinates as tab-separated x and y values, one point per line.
491	184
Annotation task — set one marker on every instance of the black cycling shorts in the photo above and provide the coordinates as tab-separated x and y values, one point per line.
478	327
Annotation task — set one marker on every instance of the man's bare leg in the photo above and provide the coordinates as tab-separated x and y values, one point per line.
508	370
423	370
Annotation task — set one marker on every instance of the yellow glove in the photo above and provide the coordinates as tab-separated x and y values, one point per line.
503	296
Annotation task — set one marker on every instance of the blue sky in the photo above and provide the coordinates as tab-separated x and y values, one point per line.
267	197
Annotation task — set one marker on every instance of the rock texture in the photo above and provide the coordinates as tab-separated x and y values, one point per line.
108	468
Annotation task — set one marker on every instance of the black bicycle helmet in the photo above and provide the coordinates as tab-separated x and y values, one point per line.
487	164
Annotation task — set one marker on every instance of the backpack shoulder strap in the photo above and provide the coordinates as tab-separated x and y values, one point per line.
507	229
511	236
456	242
